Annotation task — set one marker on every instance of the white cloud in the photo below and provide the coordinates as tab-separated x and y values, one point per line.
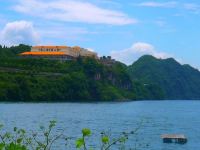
191	7
129	55
73	11
3	19
90	49
159	4
63	32
160	23
18	32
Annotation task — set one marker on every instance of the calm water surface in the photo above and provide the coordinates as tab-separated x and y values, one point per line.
160	117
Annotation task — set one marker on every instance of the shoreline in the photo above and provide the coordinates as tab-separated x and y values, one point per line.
94	102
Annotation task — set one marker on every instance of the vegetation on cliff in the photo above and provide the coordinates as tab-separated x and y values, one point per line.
87	79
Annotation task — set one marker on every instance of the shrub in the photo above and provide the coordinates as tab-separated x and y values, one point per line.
19	139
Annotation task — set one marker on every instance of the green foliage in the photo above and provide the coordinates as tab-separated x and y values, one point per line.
87	79
14	141
84	79
165	78
105	139
86	132
19	139
79	143
120	142
10	52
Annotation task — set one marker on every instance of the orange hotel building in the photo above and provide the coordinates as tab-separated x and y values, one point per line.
58	52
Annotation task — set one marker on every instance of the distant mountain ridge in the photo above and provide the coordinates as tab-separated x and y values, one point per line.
175	80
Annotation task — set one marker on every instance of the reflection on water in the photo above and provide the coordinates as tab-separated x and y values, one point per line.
160	117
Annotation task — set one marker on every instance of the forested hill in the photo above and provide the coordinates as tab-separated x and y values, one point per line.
176	81
87	79
84	79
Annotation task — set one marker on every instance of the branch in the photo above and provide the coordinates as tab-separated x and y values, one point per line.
117	140
55	139
2	139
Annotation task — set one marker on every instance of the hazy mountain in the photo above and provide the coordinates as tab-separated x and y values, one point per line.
176	81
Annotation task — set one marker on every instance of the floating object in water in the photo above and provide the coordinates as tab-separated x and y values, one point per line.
174	138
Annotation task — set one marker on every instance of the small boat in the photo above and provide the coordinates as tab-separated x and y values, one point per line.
174	138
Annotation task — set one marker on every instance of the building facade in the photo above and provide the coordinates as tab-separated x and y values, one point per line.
59	52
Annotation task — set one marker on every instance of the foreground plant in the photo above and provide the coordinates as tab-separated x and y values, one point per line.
107	142
14	141
19	139
47	140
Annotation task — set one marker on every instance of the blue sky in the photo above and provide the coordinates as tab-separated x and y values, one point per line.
123	29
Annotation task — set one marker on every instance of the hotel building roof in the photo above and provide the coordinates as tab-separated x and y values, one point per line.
49	47
43	53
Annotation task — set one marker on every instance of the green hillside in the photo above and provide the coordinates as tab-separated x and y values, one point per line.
175	80
84	79
87	79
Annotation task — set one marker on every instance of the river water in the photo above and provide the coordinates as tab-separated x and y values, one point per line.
158	117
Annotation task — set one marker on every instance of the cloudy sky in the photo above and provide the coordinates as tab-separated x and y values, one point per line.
123	29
